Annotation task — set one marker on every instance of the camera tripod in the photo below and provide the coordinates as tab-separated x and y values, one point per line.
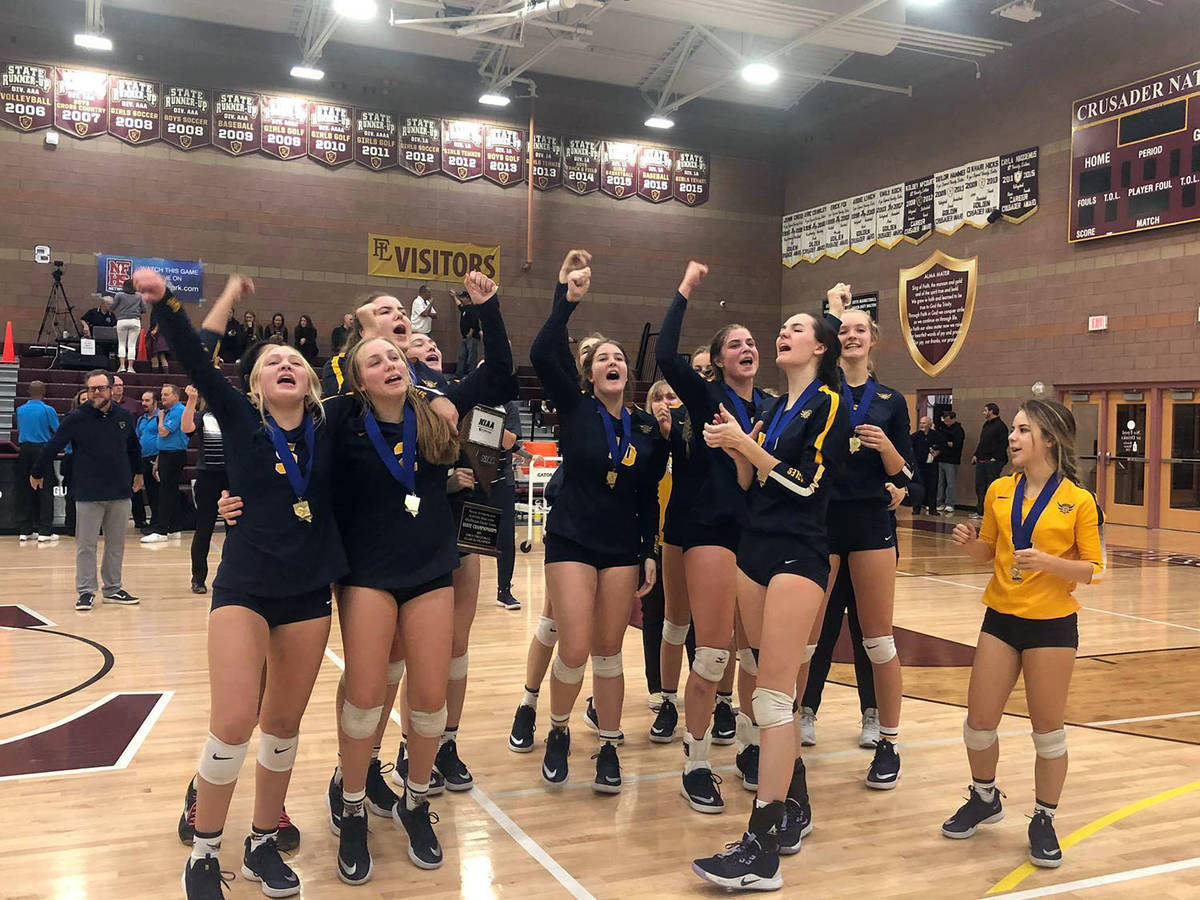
58	306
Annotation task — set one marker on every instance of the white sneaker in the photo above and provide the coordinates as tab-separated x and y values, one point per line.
154	538
47	538
870	728
808	727
26	537
175	535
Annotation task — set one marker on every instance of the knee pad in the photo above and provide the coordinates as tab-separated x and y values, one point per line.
220	762
567	674
809	651
1050	744
395	671
546	632
608	666
458	667
772	708
710	662
359	723
748	661
277	754
675	635
880	649
977	740
428	724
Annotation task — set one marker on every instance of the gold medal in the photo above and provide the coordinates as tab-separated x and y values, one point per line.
412	505
855	444
1015	572
611	478
303	513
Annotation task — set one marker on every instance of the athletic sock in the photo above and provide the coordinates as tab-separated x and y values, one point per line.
1038	807
414	794
890	734
725	697
985	789
259	836
375	751
352	803
450	734
559	721
671	696
206	845
530	699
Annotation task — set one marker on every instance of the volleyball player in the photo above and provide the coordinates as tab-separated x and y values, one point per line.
601	529
1043	534
270	601
783	568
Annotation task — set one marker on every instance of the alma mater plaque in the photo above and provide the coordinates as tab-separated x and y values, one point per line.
937	299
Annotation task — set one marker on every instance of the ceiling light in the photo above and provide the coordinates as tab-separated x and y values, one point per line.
924	2
92	41
760	73
355	9
1018	11
488	98
308	73
659	122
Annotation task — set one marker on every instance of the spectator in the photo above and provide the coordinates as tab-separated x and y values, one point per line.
101	316
253	329
130	405
156	347
36	423
468	327
337	339
306	339
233	341
168	468
128	310
423	311
276	328
949	456
991	454
210	482
924	444
147	432
105	460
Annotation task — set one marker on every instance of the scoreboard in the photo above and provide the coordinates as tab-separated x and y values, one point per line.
1135	156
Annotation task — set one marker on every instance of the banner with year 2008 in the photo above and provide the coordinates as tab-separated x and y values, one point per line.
186	117
135	109
284	127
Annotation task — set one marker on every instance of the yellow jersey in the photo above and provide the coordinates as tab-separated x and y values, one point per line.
1071	527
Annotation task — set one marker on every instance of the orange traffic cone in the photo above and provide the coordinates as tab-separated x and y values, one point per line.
9	356
141	354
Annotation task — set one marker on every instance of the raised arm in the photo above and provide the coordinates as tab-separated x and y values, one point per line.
551	345
687	383
491	383
188	423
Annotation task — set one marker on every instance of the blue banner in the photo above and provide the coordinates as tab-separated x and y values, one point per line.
185	277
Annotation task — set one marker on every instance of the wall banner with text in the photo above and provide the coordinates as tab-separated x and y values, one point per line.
186	277
424	259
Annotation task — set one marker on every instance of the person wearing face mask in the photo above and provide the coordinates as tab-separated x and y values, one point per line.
600	532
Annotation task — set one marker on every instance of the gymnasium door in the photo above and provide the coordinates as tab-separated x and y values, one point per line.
1179	487
1125	458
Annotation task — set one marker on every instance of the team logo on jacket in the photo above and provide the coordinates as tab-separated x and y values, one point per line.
884	396
429	382
1065	508
120	424
805	413
645	429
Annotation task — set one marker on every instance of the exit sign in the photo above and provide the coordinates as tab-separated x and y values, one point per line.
1097	323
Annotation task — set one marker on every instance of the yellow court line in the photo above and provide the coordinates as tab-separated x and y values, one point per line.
1019	874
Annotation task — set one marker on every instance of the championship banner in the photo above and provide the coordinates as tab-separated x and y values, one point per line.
429	260
135	109
330	133
656	166
619	169
420	145
375	139
284	127
691	177
462	149
236	123
918	209
503	155
581	165
186	277
937	299
26	96
547	161
81	102
187	117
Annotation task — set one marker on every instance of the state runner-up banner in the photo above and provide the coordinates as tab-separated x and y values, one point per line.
186	277
394	256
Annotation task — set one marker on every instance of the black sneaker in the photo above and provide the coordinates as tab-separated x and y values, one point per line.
592	720
266	866
187	819
204	880
452	769
507	600
751	864
665	723
198	587
381	799
608	770
724	728
975	812
520	739
289	835
122	597
354	856
797	824
437	784
84	601
1043	842
885	767
333	799
423	847
701	791
554	764
747	766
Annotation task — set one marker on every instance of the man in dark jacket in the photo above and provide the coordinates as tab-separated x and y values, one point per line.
991	454
468	327
950	447
924	443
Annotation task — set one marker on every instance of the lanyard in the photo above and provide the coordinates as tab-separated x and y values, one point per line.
1022	532
291	467
402	471
616	451
858	412
738	408
783	419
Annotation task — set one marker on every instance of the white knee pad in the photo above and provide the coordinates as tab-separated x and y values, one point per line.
772	708
1050	744
220	762
275	753
458	667
428	724
546	632
395	671
977	740
747	661
675	635
809	651
710	662
880	649
567	674
359	723
608	666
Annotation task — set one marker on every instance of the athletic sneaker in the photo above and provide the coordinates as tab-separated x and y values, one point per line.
507	600
592	720
885	767
1043	842
187	820
266	866
869	735
558	748
423	847
333	799
289	835
797	824
975	812
84	601
155	538
47	538
520	739
354	856
700	789
747	766
808	727
665	723
724	728
199	587
608	770
751	864
437	784
452	769
123	597
204	880
26	537
381	799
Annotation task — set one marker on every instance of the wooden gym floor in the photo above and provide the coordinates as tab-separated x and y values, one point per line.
1128	817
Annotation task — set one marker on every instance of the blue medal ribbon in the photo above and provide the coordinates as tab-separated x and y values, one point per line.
298	479
858	413
738	407
1022	532
403	470
616	451
783	419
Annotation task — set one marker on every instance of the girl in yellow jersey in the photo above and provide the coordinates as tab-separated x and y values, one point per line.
1043	534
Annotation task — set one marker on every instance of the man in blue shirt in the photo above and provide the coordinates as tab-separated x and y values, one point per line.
36	424
172	456
147	432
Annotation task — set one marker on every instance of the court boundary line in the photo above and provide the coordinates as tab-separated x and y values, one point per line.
37	615
1102	880
1179	715
535	850
105	654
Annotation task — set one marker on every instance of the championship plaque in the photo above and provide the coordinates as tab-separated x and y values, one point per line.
937	299
479	525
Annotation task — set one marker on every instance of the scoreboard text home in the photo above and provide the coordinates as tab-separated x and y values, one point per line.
1135	156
